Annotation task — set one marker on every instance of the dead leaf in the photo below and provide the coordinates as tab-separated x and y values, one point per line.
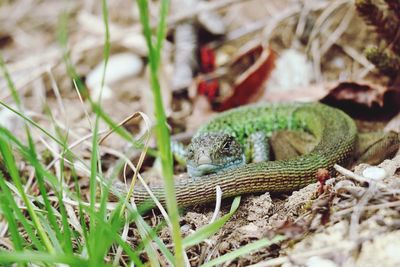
360	99
365	99
360	93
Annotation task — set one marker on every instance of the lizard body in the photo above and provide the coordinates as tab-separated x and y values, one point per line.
336	133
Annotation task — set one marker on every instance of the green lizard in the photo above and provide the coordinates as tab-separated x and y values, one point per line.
231	151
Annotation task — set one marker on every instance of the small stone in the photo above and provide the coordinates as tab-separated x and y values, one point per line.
375	173
119	67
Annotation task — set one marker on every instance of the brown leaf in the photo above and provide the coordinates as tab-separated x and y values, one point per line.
358	98
360	93
365	99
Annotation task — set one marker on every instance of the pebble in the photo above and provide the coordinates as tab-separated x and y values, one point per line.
119	67
375	173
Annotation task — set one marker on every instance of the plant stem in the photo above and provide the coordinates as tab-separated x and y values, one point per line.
161	129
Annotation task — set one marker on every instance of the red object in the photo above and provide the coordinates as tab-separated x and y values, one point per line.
207	59
250	83
322	176
246	74
209	88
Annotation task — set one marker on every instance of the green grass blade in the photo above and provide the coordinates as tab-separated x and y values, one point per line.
97	231
19	216
10	83
16	237
81	214
31	156
7	135
138	144
93	169
38	257
51	233
106	52
161	30
150	234
66	237
151	252
206	231
42	189
111	229
145	21
92	234
243	250
63	40
161	129
21	115
62	32
9	162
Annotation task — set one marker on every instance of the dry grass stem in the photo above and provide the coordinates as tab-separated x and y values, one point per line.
218	199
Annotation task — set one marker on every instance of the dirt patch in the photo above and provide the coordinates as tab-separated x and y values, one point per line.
349	224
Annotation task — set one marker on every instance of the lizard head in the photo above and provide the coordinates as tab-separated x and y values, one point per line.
212	153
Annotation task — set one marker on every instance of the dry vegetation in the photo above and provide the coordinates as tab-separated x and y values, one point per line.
348	223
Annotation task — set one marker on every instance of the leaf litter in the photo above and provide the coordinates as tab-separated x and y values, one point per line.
350	223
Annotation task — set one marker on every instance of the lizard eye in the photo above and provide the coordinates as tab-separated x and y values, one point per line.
227	145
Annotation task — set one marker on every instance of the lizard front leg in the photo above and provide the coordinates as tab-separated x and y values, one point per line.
258	149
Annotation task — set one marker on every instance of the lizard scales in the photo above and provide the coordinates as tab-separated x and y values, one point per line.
336	133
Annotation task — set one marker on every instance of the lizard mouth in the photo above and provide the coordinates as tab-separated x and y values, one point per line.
202	169
209	168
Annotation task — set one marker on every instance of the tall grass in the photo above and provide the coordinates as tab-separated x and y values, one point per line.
49	230
162	131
